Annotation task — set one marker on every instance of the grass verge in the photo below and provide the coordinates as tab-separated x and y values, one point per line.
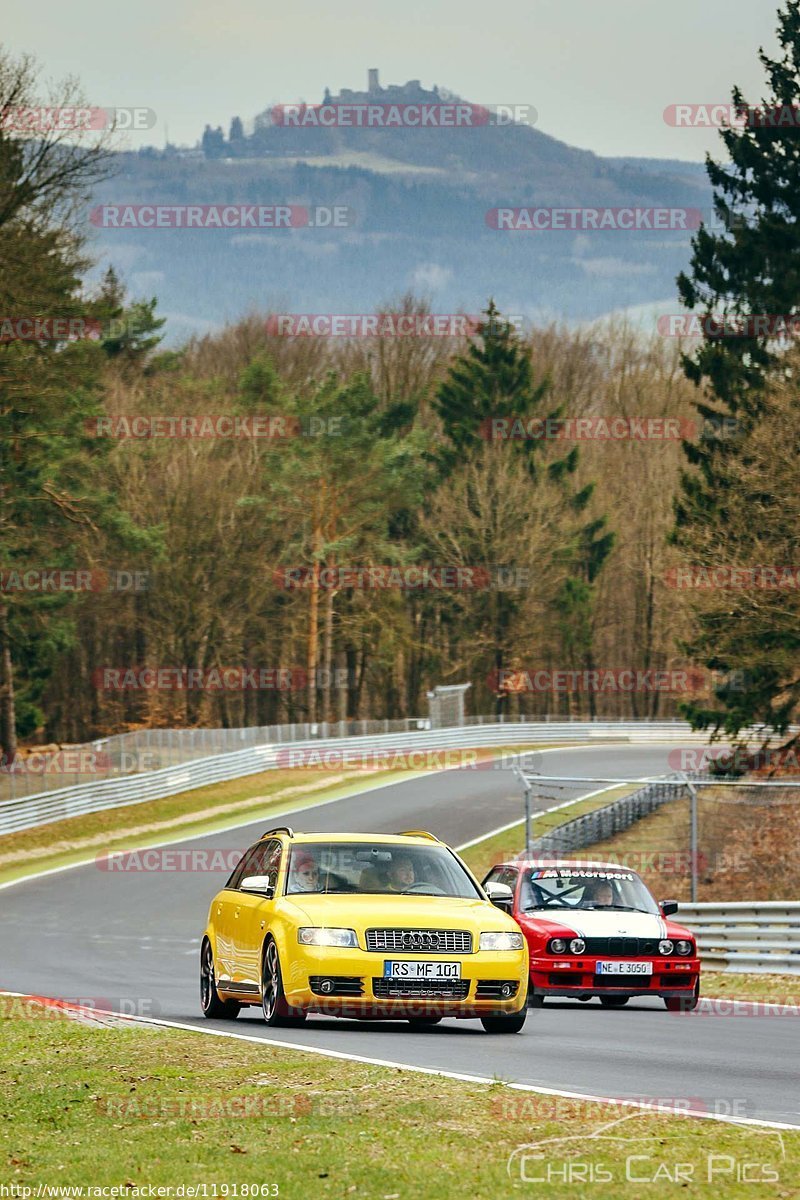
132	1107
777	989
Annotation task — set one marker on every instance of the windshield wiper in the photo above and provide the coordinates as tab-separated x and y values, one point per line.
540	907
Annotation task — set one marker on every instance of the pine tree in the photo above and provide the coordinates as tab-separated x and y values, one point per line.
493	380
750	269
54	501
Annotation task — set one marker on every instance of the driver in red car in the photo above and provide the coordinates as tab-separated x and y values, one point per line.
599	894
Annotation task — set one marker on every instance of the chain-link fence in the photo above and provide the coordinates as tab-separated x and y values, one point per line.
695	836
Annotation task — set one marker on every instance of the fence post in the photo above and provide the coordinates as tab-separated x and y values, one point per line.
693	836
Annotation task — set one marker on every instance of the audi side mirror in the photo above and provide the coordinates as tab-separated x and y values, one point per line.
668	907
258	883
500	895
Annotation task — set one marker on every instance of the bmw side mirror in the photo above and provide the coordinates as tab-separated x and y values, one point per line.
500	895
258	883
668	907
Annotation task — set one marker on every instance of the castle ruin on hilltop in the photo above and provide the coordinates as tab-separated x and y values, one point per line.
412	92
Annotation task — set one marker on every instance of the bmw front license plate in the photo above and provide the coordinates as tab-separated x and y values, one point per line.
422	970
624	968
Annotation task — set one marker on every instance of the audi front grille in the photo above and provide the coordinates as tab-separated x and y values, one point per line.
419	941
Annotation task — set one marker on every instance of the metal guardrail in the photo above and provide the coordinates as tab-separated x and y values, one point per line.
97	795
36	771
757	937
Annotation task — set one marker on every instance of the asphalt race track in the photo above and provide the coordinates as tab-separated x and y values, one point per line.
133	938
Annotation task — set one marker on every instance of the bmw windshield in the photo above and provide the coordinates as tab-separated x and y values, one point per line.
545	889
381	868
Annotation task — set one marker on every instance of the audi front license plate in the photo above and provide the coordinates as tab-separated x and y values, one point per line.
434	971
624	968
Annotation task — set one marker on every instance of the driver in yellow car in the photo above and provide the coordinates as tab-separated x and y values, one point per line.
401	874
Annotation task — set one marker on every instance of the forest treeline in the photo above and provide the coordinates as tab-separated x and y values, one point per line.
236	548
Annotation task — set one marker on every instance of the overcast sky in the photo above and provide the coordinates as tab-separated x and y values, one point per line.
599	74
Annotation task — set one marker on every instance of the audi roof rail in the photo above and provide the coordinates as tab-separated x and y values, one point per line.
418	833
279	829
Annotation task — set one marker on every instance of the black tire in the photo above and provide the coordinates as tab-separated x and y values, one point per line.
423	1022
274	1005
213	1007
614	1001
505	1022
536	1000
681	1004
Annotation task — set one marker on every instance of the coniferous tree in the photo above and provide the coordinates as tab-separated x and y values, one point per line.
494	381
750	271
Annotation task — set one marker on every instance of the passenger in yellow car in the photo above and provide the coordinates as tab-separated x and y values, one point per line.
304	876
401	874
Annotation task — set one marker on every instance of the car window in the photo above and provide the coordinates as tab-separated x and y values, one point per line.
377	867
506	875
261	859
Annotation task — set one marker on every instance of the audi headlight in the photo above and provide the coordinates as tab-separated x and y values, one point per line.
558	946
665	947
501	941
684	947
313	935
577	946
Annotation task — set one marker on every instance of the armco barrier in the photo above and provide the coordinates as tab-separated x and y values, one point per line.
44	807
758	937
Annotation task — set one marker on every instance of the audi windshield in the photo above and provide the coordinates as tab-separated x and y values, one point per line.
379	868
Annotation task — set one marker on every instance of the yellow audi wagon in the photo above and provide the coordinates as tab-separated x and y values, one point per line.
369	926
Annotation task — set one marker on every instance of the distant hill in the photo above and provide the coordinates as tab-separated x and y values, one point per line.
420	198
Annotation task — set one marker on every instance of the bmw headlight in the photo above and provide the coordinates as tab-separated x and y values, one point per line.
558	946
684	947
577	946
501	941
313	935
665	947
